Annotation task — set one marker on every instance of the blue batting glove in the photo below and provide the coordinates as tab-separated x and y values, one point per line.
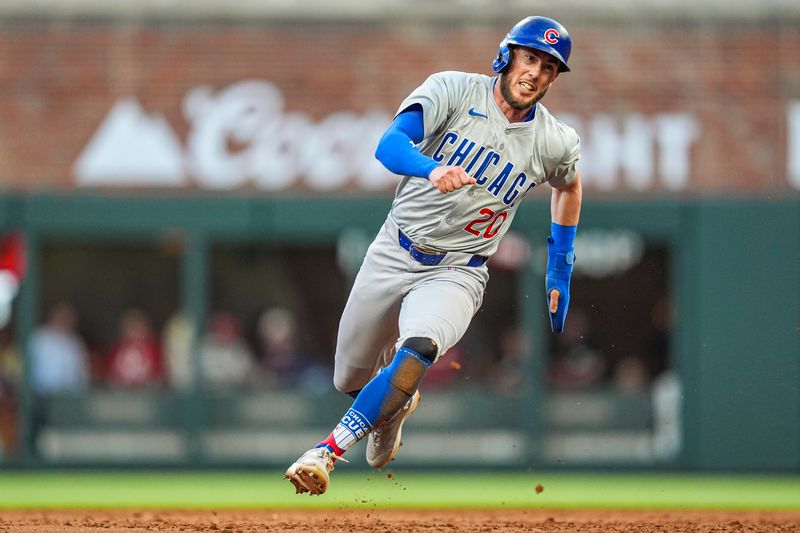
560	260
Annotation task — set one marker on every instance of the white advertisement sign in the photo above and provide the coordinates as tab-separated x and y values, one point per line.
242	136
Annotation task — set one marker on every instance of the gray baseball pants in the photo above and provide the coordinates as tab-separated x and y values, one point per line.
394	297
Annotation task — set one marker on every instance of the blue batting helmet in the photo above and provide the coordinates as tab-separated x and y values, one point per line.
540	33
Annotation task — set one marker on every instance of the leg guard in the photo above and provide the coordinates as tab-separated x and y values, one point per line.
423	346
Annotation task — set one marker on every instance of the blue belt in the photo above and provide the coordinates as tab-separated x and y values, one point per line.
432	258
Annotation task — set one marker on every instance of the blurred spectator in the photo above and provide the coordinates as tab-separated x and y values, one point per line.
58	356
10	361
577	363
135	360
225	358
285	362
177	346
12	269
10	374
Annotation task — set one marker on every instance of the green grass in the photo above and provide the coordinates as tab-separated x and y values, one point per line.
357	490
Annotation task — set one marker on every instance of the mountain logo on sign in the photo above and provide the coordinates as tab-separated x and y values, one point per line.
132	148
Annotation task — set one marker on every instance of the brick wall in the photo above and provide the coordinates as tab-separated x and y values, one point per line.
59	80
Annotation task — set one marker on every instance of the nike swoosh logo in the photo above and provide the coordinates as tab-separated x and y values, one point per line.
475	113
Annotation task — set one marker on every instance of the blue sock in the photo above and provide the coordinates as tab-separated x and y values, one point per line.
382	397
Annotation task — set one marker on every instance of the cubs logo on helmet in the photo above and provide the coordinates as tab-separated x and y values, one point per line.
551	36
539	33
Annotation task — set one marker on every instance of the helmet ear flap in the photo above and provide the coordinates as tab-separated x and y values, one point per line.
503	56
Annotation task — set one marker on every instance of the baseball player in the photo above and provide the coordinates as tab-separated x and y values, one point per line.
469	148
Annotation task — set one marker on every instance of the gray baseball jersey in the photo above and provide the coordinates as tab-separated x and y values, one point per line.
394	296
465	126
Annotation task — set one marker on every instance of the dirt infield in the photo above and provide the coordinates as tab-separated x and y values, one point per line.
406	521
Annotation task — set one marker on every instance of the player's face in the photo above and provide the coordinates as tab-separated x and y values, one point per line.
528	77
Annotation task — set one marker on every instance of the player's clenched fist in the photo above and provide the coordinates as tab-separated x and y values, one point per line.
449	178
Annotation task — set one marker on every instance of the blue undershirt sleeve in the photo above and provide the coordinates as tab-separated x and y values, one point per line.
396	149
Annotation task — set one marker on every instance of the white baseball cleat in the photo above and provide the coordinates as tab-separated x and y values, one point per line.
310	473
385	440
